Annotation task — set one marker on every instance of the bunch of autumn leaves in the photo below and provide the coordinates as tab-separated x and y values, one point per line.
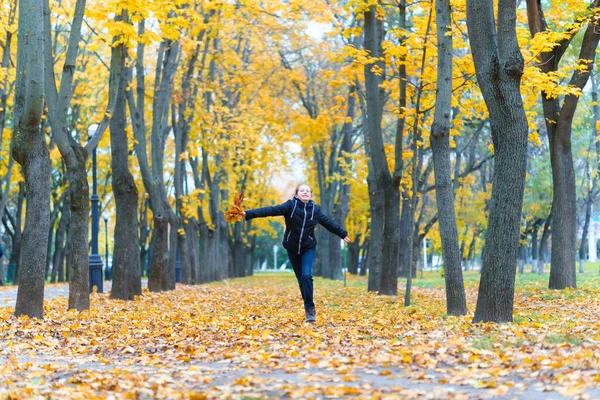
234	214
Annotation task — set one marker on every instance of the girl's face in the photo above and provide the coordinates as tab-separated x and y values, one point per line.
304	193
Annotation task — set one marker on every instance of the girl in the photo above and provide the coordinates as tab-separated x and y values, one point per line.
301	217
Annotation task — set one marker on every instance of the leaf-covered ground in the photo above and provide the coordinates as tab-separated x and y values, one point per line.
246	338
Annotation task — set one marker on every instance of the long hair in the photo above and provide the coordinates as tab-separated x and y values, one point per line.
298	188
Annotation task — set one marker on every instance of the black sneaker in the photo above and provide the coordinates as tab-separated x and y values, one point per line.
311	314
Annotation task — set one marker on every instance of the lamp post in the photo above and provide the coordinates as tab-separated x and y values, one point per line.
95	261
177	266
107	270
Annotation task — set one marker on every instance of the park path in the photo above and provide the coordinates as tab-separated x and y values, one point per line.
8	294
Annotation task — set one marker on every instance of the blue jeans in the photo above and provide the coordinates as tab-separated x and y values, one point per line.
303	264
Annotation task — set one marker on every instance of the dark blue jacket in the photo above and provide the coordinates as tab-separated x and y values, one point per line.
300	222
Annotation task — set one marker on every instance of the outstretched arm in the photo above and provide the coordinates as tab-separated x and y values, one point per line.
271	211
333	227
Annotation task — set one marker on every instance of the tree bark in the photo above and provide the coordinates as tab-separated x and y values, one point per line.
386	186
74	154
353	255
126	275
499	67
31	152
59	240
456	303
159	278
589	199
535	251
559	120
543	249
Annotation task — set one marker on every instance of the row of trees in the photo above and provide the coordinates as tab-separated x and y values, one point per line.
390	105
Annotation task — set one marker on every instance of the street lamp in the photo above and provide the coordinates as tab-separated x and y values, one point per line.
95	261
177	266
107	270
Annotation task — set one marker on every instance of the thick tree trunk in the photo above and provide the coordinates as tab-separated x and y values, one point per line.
499	67
191	231
159	256
391	234
381	181
161	276
238	252
79	278
36	168
31	152
375	247
564	239
126	276
559	120
440	145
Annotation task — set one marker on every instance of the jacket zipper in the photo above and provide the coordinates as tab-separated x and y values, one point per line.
302	231
288	238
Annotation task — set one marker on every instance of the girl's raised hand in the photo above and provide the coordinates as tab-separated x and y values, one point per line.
347	240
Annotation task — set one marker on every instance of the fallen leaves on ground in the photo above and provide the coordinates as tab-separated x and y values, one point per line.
247	338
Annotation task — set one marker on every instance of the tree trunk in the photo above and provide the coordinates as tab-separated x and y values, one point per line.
160	277
543	249
59	239
562	265
144	234
353	255
522	253
499	67
79	278
456	303
374	261
364	261
31	152
170	278
534	246
559	120
471	252
584	234
405	224
382	180
126	276
191	231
